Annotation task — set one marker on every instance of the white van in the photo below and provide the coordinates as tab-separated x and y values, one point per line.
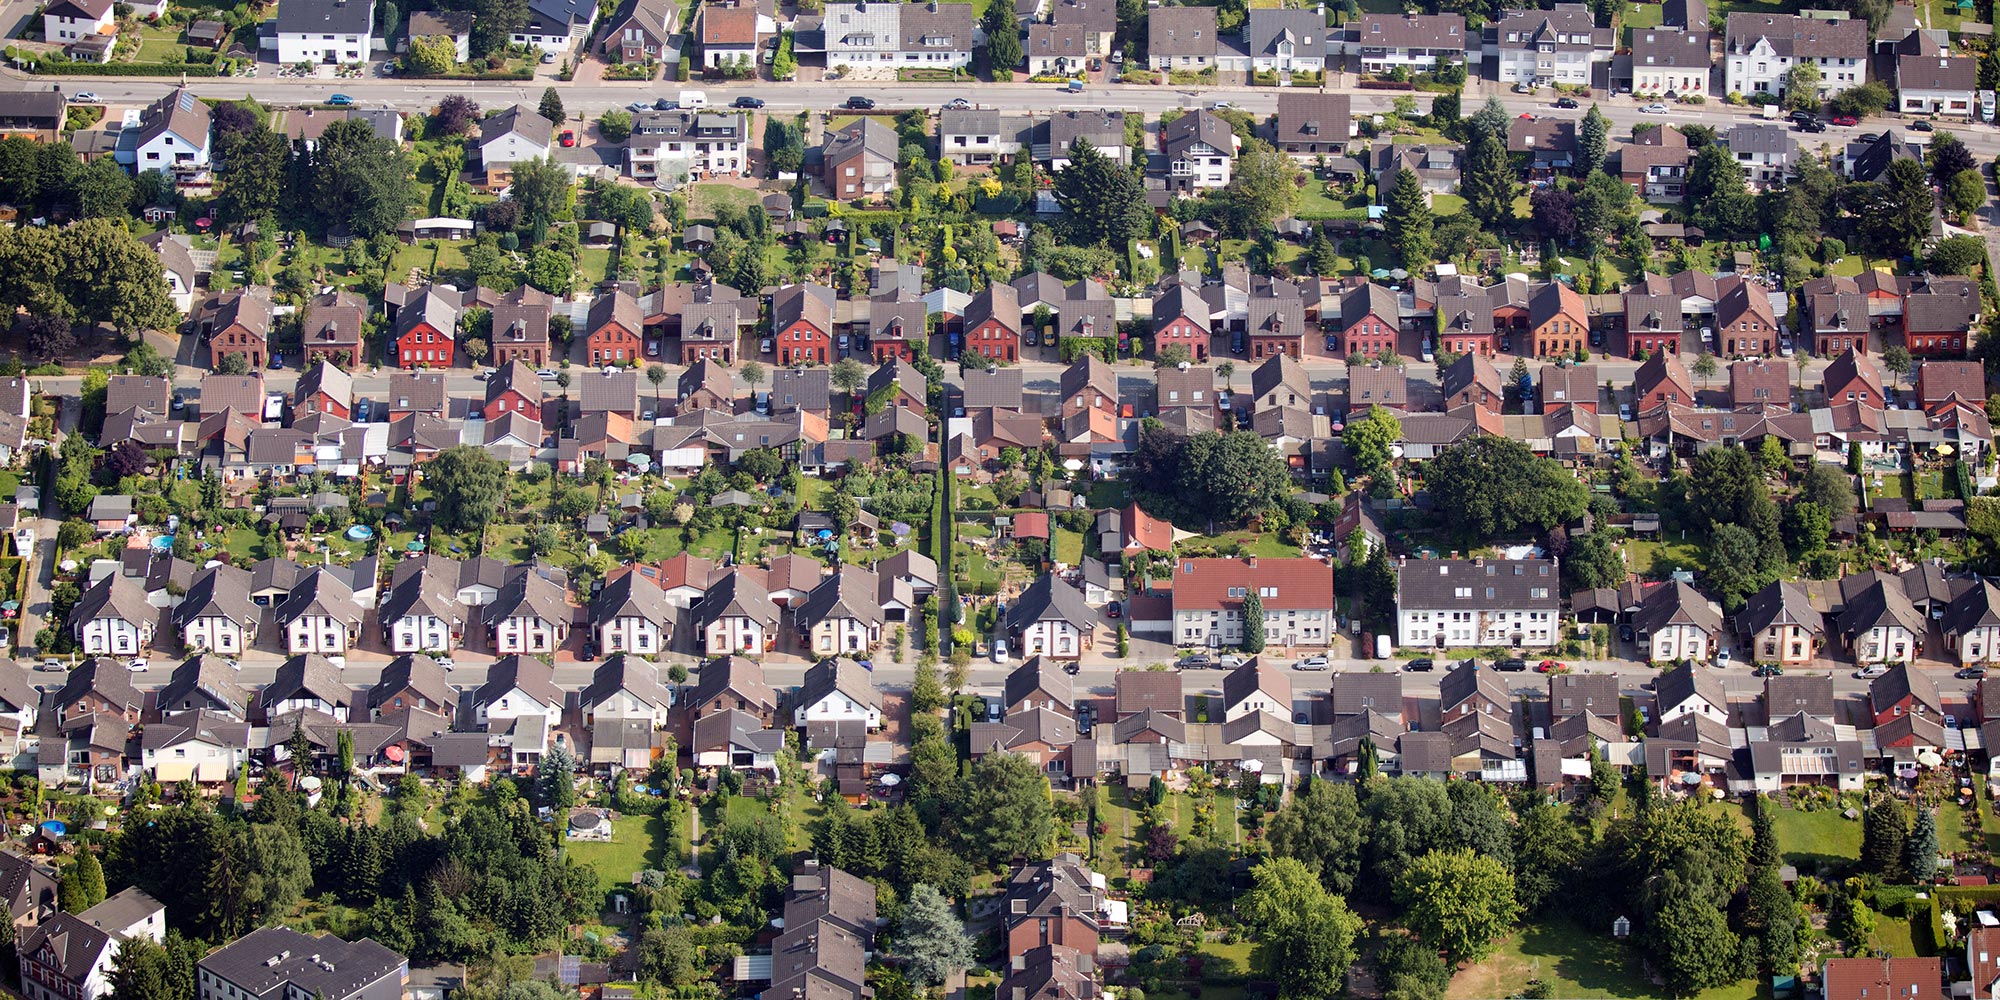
1382	646
694	100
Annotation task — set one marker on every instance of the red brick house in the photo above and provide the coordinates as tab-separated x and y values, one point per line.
324	388
1745	323
1884	979
802	324
1056	902
1558	320
1939	320
1473	380
992	323
1852	378
331	329
424	331
521	327
237	323
895	327
1653	323
1661	379
1277	323
616	329
1368	320
1180	319
513	388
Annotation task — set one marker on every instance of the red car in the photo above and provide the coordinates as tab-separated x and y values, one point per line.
568	138
1846	120
1552	667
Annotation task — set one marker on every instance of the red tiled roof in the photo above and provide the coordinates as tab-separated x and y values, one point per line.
1145	529
1031	524
1884	979
1282	584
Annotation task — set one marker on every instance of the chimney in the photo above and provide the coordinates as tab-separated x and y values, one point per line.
1253	562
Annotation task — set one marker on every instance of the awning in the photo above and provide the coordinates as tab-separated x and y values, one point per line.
168	772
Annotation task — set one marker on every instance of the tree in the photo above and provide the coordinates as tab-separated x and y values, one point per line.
1007	813
848	376
784	144
1896	358
1488	186
1957	254
1802	87
90	877
614	125
253	174
1883	834
1370	439
1595	560
752	373
1716	189
1691	941
1548	855
1895	213
1458	901
1827	487
1103	203
931	939
1703	367
1554	213
454	115
1407	969
1604	206
1920	848
431	55
1490	487
1408	222
493	21
1966	193
1304	935
1947	157
555	778
1321	257
359	179
1003	38
541	187
1253	623
629	207
1264	187
1733	556
552	106
1772	915
468	483
1225	477
552	271
1321	828
1593	140
656	374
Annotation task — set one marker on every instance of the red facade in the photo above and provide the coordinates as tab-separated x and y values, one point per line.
992	339
424	346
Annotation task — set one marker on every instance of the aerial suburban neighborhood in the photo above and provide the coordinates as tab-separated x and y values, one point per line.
1040	500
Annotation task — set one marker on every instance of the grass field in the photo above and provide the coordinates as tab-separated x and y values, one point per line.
703	198
634	844
1575	962
1067	547
1822	834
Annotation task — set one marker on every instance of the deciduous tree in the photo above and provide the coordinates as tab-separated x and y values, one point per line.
1304	934
1458	901
1491	487
468	484
1321	828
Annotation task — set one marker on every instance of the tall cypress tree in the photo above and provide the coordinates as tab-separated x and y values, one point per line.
1920	849
1593	141
1882	835
1409	221
1253	623
1489	180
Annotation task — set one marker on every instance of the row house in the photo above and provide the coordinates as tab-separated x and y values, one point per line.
1209	597
1761	50
1455	603
1930	80
320	615
876	39
1050	618
530	614
1670	62
1562	46
1181	39
307	682
216	614
632	614
113	618
1413	42
614	329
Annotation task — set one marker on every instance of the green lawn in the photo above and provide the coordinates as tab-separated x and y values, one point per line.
1316	203
1067	546
703	198
1575	962
1804	837
1447	204
1663	555
633	845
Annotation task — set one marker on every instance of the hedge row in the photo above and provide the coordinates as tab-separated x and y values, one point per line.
47	68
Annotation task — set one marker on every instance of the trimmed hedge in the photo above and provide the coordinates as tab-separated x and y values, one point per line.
46	68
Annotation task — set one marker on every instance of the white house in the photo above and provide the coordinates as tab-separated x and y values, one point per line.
1690	690
838	690
556	25
843	615
873	40
517	687
1675	622
1201	151
678	145
516	134
217	614
1760	51
320	615
531	614
1452	603
1255	688
66	21
1972	625
1670	61
625	688
1932	81
1542	47
1878	622
1296	595
308	682
632	615
172	136
326	32
199	746
736	616
113	618
1051	619
421	613
71	956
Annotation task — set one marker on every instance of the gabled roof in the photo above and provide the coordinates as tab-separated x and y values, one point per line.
737	675
1687	681
632	595
521	120
105	678
1358	693
1903	681
850	592
338	17
1039	673
1467	683
1305	116
1255	677
319	592
840	675
529	592
179	112
1792	694
1149	690
1181	31
628	674
735	595
418	673
309	675
1781	602
1677	603
1469	371
221	591
1050	598
530	676
1089	372
113	597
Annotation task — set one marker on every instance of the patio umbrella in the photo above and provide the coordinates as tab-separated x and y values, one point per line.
1945	449
891	780
1929	758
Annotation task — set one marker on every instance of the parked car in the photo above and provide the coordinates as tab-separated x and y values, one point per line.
860	103
568	138
1513	666
1195	661
957	104
1922	126
1846	120
746	101
999	650
1230	661
1814	125
1655	108
1420	664
664	104
1722	658
1802	117
340	101
1113	609
1552	667
1970	673
85	97
1625	633
993	710
445	662
1566	103
637	106
1767	670
1072	668
1311	663
1872	671
139	666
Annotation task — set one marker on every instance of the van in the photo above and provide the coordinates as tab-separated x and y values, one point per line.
694	100
1382	646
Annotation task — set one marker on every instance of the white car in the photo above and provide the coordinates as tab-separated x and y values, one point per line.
1876	670
138	666
86	97
1311	663
1654	108
999	650
445	662
1231	661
